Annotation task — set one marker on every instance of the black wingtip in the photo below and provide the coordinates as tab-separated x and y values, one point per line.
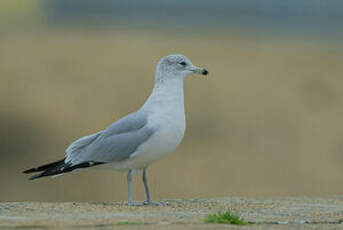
31	170
44	167
35	176
57	168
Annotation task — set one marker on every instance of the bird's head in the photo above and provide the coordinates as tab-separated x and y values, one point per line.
177	66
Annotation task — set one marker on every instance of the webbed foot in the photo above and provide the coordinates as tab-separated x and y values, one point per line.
151	203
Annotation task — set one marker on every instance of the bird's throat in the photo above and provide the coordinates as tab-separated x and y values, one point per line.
167	95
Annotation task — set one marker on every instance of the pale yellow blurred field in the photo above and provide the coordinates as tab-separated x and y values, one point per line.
266	122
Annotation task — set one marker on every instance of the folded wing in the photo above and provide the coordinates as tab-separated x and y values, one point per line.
115	143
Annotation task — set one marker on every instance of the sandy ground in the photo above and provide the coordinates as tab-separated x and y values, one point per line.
283	213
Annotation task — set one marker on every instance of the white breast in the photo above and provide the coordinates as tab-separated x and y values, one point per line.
167	118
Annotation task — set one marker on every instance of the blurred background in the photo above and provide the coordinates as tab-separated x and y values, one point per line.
268	121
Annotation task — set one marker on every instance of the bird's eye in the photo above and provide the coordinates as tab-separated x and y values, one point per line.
183	63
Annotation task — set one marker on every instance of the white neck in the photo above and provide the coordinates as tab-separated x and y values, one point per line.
167	95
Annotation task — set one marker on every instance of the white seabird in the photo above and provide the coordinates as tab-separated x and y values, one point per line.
140	138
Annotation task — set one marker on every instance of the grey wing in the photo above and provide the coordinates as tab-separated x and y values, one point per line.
116	143
81	143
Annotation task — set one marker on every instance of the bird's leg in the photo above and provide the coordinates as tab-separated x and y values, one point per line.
129	178
145	181
148	197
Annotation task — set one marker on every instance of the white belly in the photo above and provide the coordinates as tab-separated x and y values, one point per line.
158	146
164	141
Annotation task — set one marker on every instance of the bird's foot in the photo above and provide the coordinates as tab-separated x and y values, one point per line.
148	203
151	203
135	204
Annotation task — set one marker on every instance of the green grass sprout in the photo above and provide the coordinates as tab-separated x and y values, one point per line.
225	217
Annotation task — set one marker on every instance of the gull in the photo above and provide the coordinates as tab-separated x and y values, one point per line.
138	139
